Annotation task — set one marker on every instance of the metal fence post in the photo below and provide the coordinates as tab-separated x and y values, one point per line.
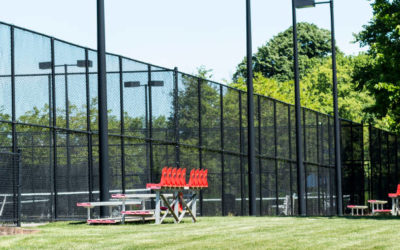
290	158
89	129
67	136
222	150
54	172
121	94
276	162
19	186
176	120
199	109
259	152
319	144
241	148
13	107
304	161
150	126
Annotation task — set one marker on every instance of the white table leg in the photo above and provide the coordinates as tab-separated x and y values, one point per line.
194	205
176	206
158	207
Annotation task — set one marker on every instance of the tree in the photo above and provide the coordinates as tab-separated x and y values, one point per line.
275	58
379	70
316	89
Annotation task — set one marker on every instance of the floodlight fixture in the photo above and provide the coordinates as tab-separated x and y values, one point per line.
132	84
157	83
45	65
84	63
300	4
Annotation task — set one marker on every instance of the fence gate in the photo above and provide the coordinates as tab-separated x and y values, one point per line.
10	202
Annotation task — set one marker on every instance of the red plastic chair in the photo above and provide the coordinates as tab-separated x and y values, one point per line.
201	174
183	177
205	181
197	178
162	181
191	179
394	195
168	181
178	177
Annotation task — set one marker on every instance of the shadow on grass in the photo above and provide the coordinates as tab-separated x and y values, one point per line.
369	217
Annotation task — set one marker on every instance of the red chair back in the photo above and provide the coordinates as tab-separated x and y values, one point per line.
196	178
178	177
173	177
201	174
183	177
398	189
168	177
191	178
163	176
205	181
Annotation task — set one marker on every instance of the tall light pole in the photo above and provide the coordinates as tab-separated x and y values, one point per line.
338	161
102	102
301	185
250	114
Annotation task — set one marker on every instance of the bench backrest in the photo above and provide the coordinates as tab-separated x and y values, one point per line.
398	189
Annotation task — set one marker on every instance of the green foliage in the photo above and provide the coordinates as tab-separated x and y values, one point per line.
379	70
275	58
316	89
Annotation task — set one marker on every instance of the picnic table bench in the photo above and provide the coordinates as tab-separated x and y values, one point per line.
357	208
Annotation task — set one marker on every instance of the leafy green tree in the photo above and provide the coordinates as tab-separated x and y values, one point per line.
379	70
275	58
316	89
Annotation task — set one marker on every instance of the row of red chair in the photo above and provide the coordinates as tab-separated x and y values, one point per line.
176	178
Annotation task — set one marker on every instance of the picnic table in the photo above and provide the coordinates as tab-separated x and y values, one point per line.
377	206
110	205
357	208
142	213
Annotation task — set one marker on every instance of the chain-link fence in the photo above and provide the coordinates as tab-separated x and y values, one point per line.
10	196
161	117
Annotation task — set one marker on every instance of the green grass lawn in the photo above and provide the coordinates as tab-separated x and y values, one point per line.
219	233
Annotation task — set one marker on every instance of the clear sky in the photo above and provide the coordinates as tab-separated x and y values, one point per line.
182	33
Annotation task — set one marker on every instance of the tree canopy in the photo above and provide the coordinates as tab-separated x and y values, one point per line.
379	70
275	58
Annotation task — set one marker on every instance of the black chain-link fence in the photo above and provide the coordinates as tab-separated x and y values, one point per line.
161	117
10	196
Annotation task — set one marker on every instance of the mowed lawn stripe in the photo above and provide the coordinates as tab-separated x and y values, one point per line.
219	233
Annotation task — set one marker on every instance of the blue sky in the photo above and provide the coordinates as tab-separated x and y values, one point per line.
182	33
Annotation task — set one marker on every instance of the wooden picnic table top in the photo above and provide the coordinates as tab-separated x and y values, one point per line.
143	196
108	203
357	206
377	202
